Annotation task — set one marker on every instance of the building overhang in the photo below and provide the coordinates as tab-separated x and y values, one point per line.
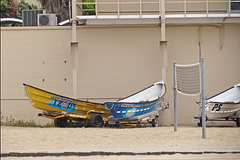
189	19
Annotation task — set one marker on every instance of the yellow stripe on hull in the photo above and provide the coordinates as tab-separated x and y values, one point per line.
48	101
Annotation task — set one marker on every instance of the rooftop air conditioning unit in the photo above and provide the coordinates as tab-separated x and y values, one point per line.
47	20
29	17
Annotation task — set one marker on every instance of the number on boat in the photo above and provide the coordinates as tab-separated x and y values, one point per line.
217	107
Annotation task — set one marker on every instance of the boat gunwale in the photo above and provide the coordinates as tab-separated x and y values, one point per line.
62	95
224	102
230	102
142	102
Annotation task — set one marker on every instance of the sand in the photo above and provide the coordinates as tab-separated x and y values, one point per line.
20	138
115	139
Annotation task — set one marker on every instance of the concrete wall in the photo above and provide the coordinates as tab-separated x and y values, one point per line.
114	61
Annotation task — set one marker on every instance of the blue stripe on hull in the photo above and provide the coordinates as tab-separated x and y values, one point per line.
128	110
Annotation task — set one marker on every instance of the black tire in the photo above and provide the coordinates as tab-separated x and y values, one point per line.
200	123
96	121
155	122
118	125
106	125
61	122
238	122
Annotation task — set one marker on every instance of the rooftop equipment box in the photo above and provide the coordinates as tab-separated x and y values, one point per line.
29	17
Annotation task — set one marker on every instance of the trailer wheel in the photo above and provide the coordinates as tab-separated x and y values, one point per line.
200	123
238	122
96	120
118	125
61	122
155	122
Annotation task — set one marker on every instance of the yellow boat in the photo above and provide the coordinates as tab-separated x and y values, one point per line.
64	109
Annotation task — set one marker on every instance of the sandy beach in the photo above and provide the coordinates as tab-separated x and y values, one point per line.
20	138
123	139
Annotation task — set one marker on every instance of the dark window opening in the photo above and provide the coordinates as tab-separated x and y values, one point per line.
235	6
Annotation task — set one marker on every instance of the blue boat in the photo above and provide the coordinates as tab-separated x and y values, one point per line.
140	105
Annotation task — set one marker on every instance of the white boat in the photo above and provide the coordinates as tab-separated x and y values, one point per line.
223	106
143	105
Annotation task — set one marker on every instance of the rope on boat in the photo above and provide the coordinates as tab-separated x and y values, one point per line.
111	107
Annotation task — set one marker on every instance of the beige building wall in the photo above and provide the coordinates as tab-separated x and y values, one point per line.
221	50
35	56
114	61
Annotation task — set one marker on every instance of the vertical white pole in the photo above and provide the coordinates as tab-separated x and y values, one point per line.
96	8
74	48
159	5
69	11
140	11
74	14
207	7
118	8
175	97
185	8
229	8
163	34
203	98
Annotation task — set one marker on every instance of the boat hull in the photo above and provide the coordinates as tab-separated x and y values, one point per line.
224	104
129	110
221	111
52	102
140	104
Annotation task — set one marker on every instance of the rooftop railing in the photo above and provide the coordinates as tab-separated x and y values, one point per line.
91	9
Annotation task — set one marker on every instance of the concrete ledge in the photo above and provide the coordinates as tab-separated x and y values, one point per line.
97	153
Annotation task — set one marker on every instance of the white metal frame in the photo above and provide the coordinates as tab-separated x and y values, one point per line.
185	13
